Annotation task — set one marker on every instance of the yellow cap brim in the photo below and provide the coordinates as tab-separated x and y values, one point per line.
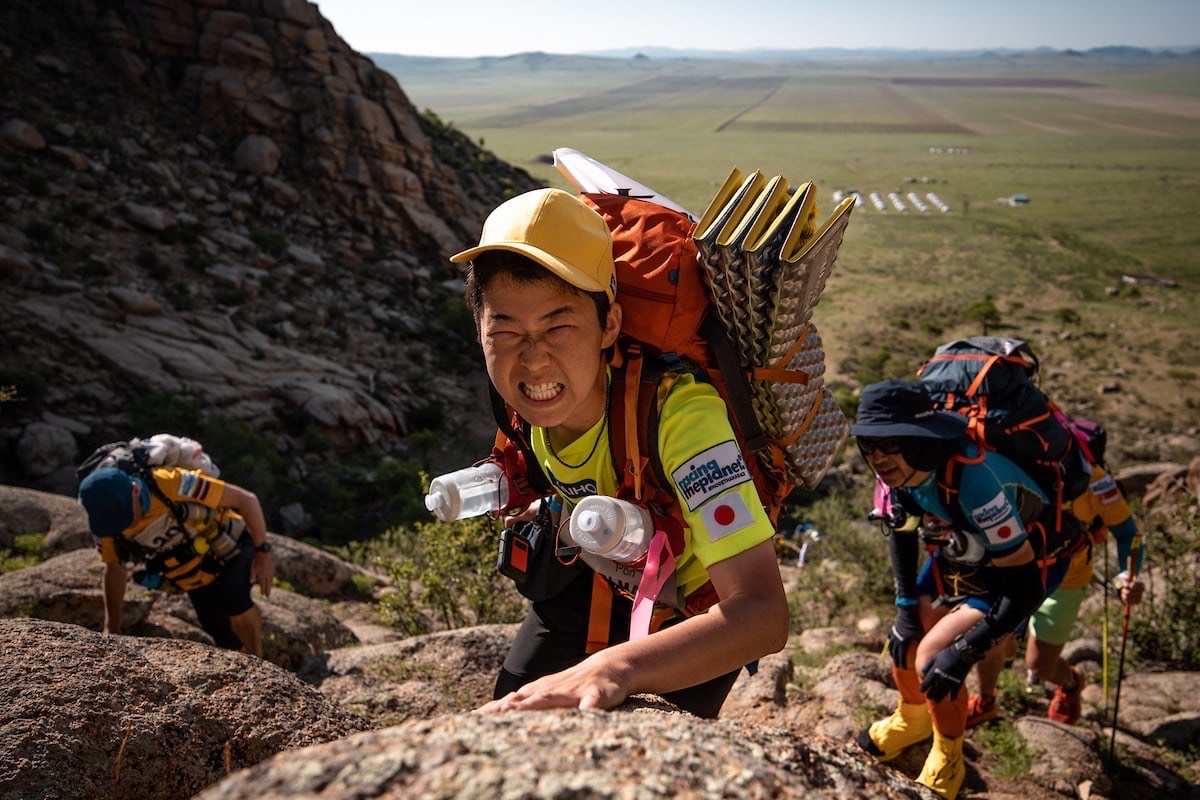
562	269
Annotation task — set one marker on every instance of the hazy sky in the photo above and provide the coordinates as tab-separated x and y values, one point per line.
503	27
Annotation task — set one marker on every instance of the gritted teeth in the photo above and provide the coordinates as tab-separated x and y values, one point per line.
541	391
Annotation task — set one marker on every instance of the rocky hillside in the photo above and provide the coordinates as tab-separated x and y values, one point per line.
79	709
215	209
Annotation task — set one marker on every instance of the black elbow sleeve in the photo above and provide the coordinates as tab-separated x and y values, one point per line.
905	550
1021	593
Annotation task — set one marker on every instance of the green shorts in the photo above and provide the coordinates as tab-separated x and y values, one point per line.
1052	622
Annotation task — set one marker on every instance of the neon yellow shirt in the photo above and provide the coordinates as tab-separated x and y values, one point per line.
722	514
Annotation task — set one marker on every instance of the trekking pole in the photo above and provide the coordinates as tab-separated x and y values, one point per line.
1112	741
1104	631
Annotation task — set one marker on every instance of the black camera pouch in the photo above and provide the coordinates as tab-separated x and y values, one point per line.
527	557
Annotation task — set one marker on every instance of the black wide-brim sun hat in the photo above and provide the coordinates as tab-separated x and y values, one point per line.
894	408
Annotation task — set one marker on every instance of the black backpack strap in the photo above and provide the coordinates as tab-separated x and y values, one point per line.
145	472
736	386
519	435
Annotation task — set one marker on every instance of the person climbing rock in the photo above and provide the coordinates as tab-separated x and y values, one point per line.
542	287
985	573
1102	509
204	535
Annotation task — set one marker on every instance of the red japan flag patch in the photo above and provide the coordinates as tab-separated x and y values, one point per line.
999	521
726	514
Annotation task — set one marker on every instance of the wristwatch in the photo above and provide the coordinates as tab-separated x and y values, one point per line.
265	547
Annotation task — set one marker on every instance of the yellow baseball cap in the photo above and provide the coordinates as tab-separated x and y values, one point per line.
557	230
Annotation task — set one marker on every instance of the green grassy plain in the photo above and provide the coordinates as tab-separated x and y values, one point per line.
1108	152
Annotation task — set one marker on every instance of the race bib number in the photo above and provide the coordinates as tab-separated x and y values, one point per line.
160	535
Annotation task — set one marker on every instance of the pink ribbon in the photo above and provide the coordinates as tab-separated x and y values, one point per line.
883	498
660	566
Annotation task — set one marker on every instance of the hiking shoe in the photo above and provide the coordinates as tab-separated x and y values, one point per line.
888	737
981	709
1065	706
944	769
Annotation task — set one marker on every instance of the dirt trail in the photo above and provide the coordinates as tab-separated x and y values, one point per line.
1126	128
1041	126
732	120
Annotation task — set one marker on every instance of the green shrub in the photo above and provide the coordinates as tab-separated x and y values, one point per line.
847	400
447	575
1181	374
27	550
1013	694
428	416
456	317
362	586
164	412
986	313
1067	316
1013	756
874	367
1163	626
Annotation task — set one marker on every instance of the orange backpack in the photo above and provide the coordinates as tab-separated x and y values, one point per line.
666	326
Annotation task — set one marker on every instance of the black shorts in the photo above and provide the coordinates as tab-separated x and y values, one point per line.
227	596
554	637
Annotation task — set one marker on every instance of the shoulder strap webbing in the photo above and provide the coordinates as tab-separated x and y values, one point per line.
633	422
146	473
736	387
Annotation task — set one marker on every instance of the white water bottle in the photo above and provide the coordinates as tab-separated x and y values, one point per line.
611	528
468	492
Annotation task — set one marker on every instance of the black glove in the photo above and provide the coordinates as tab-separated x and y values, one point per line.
945	673
906	630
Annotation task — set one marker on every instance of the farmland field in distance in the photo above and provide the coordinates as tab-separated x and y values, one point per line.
1106	150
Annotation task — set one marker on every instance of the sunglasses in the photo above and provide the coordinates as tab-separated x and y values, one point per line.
889	447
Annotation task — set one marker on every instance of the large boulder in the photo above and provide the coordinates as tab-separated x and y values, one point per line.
761	698
60	518
1065	756
850	682
313	570
554	754
43	447
417	678
87	715
67	589
1162	707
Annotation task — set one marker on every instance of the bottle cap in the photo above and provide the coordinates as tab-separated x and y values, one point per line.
438	503
588	521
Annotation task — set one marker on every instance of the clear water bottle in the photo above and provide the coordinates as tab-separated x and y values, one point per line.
468	492
611	528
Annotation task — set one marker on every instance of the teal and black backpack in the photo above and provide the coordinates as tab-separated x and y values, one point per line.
990	380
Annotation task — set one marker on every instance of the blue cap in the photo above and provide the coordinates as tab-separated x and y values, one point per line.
107	497
895	408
